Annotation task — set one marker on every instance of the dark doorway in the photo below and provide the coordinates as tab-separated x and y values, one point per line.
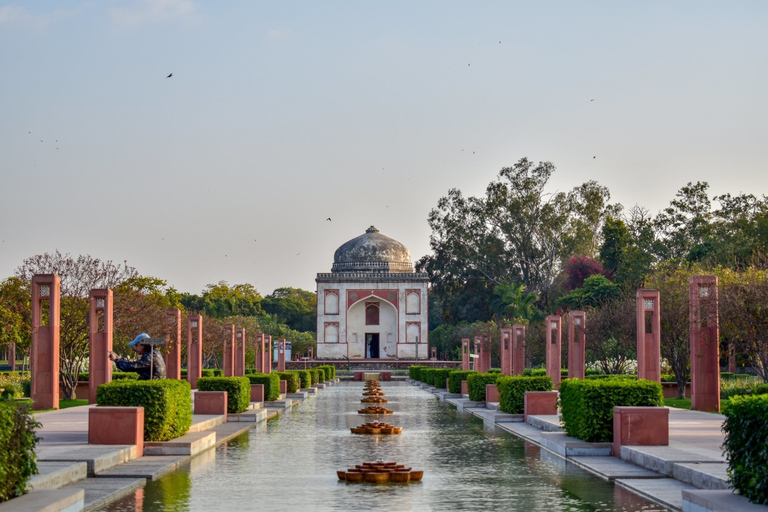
372	345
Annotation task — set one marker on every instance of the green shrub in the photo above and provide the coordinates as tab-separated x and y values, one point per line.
271	385
208	372
183	372
440	375
11	387
84	376
238	391
429	376
167	404
590	371
125	376
667	377
315	374
746	428
738	385
291	381
331	373
476	383
455	378
413	372
18	460
614	376
422	373
587	404
217	372
26	386
512	391
494	370
534	372
305	379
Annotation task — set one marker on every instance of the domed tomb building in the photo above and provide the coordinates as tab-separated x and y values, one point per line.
372	305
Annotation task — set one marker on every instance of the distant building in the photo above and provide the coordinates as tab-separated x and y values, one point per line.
372	305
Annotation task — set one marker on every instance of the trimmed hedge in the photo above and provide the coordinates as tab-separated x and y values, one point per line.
512	391
455	378
619	376
440	375
238	391
587	404
271	384
85	376
476	383
316	375
291	379
429	376
332	370
746	428
305	379
534	372
11	387
18	460
413	371
167	404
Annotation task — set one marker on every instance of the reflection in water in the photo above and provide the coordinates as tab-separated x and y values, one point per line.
290	463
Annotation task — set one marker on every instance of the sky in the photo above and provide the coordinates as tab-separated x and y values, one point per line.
280	115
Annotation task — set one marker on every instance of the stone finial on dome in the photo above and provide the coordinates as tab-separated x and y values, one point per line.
372	252
372	229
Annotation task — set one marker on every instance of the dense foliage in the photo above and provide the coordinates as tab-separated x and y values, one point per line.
512	391
291	380
455	379
586	405
476	383
271	384
238	391
18	460
167	404
746	429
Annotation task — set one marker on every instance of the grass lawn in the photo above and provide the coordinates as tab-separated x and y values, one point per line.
64	404
685	403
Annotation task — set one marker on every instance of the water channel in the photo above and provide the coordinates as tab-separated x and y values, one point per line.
290	463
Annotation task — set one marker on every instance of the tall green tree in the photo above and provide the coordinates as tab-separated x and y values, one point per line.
512	303
15	321
295	307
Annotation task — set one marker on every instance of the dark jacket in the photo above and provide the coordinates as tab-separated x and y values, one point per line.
150	361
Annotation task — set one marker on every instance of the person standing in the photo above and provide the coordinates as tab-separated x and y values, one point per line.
149	365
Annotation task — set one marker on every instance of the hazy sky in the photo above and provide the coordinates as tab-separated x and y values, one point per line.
281	114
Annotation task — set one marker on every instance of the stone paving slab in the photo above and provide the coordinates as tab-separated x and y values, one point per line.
53	475
101	491
666	492
190	443
662	459
150	467
66	499
610	468
99	457
718	501
300	395
310	391
567	447
202	422
712	476
248	416
546	422
495	416
524	430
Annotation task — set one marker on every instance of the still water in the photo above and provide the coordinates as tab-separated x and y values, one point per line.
290	463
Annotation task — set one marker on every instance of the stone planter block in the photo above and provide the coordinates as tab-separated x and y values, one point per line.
539	403
211	402
640	426
385	376
283	387
359	376
257	392
464	388
117	425
491	393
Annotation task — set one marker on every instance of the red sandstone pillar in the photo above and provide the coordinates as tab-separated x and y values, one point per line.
46	288
478	366
281	355
576	344
705	353
194	349
649	335
100	340
486	353
268	356
506	351
518	349
258	354
173	342
465	354
553	347
311	353
433	353
228	357
12	356
240	352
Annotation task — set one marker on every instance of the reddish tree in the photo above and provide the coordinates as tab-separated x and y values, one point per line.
579	268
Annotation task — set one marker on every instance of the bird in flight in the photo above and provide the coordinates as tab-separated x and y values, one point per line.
592	99
328	219
594	157
169	75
